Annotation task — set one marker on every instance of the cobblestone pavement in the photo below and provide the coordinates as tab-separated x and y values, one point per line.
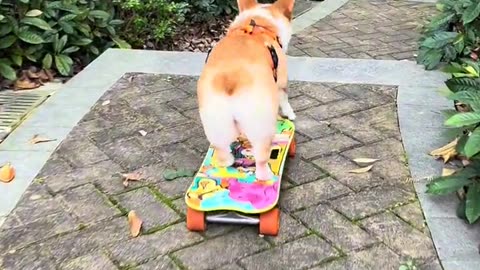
73	216
365	29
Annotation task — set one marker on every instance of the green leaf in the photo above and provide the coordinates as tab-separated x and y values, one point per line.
440	20
116	22
47	61
82	42
17	59
63	63
37	22
459	43
100	14
1	17
448	184
7	71
472	207
5	29
460	211
59	44
7	41
94	50
463	84
122	44
438	40
430	58
71	50
34	13
471	13
68	17
30	37
174	174
66	27
471	98
463	119
472	147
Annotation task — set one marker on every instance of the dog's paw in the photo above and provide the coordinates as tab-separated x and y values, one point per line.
226	161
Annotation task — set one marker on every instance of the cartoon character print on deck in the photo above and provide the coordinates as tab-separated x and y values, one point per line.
236	187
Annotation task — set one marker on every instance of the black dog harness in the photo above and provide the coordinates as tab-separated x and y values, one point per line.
251	29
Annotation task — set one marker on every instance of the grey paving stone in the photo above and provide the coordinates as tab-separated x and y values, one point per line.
335	227
80	152
311	193
54	165
121	130
230	267
400	236
161	263
32	210
335	109
101	173
148	207
90	261
324	146
369	94
311	127
412	213
302	102
320	91
205	255
300	171
394	172
171	136
41	229
87	203
158	97
372	201
377	150
179	156
339	166
290	229
299	254
129	153
378	257
30	258
176	188
357	128
163	114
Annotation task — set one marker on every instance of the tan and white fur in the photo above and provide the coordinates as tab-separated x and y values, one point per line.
237	93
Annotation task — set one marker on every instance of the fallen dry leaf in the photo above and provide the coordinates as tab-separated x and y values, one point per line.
25	84
447	171
7	173
361	170
446	152
136	176
142	132
365	160
106	102
37	139
135	223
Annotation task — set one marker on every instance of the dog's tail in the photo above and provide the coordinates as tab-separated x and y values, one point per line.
231	80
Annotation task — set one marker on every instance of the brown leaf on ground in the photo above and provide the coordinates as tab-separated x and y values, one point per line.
135	176
361	170
446	152
25	84
37	139
447	171
7	173
135	223
365	160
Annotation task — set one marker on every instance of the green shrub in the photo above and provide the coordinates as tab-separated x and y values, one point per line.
464	87
453	34
53	34
208	10
152	20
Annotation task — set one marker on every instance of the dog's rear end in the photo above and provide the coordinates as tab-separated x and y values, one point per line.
238	91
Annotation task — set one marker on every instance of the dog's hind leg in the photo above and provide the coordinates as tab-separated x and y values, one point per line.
285	107
220	130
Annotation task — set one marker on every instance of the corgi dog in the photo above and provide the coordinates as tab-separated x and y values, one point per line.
244	82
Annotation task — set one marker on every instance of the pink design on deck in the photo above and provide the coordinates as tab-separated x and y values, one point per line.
260	195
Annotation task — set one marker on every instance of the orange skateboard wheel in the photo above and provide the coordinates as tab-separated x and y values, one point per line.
196	220
292	150
270	222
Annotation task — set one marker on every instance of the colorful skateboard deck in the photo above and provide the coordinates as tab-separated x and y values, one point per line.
236	188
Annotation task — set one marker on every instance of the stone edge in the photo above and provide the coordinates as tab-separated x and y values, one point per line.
319	11
419	120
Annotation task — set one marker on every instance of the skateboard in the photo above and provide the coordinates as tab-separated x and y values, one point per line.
233	194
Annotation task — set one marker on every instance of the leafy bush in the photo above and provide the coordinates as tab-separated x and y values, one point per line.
208	10
464	87
54	34
152	20
453	34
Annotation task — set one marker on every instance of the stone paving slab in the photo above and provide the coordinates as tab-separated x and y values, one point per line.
327	219
365	29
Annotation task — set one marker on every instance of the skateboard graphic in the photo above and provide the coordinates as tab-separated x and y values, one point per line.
233	194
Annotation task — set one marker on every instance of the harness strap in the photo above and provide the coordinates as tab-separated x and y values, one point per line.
249	29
